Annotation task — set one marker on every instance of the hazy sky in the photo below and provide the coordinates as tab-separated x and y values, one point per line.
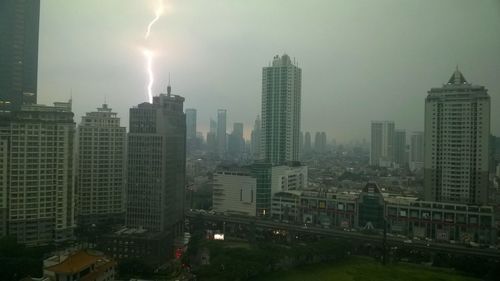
361	60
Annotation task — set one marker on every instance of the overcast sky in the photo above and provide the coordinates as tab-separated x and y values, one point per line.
361	60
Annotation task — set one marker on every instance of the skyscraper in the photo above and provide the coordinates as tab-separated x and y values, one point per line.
457	132
236	142
255	139
19	24
100	185
190	123
307	142
156	164
400	148
281	100
320	142
221	132
36	186
382	143
417	151
212	137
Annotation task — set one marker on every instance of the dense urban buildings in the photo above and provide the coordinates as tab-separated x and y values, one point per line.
281	107
101	174
37	185
19	22
382	143
457	133
156	164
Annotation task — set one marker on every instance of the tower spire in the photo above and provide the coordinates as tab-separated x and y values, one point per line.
169	88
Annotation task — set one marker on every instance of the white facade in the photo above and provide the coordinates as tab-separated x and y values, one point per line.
457	132
234	192
382	143
285	178
36	152
281	107
101	167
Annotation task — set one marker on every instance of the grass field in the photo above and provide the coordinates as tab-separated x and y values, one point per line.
365	269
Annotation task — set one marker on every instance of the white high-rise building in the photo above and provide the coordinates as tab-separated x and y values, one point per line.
416	151
382	143
281	101
100	185
36	168
457	132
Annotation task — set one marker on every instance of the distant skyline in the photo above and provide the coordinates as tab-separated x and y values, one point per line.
361	60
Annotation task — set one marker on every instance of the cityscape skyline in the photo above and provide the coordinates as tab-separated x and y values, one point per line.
325	97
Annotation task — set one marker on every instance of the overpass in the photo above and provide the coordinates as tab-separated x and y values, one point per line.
337	233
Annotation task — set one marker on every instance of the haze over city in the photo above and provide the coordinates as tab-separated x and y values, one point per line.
360	61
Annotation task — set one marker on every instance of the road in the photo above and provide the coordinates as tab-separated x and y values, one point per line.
338	233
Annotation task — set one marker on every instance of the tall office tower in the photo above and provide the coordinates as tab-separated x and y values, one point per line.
417	151
19	22
400	148
236	142
37	189
221	132
320	142
307	142
157	164
212	137
190	123
255	139
382	143
100	182
457	132
301	142
192	142
281	94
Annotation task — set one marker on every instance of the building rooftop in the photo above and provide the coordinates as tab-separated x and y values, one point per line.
77	261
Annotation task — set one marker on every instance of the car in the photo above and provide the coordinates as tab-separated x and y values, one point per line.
408	241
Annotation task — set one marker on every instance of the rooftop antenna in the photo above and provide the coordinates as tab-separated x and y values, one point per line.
169	88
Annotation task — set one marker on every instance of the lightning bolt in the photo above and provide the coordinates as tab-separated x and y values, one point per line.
158	13
148	54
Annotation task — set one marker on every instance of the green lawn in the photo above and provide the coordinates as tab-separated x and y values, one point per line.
365	269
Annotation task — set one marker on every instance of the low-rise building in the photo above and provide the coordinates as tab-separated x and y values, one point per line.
82	265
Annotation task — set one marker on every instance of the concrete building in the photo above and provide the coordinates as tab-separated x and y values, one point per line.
36	168
100	181
288	177
382	143
255	139
156	165
234	192
285	206
19	25
221	132
400	148
416	151
249	190
320	142
190	123
457	132
236	142
281	107
82	265
307	142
